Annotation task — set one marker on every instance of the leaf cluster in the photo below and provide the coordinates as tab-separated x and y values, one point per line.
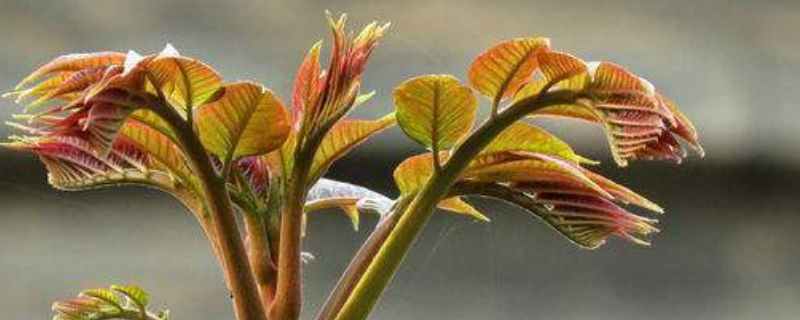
171	122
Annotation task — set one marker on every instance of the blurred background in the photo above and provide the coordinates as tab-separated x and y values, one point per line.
728	247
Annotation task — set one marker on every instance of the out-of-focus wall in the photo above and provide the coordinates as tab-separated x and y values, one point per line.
727	250
732	65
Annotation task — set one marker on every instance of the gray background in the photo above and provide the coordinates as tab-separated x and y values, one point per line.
727	250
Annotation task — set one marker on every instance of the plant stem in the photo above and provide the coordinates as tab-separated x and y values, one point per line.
235	264
380	272
360	262
289	296
288	299
261	258
259	248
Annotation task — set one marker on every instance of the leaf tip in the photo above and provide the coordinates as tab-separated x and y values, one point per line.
131	60
169	51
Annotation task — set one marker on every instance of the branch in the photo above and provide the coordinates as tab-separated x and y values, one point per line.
380	272
288	299
358	265
234	258
289	290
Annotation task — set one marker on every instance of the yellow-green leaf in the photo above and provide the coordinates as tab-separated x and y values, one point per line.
151	119
536	168
622	193
435	110
135	294
608	77
104	295
412	173
347	205
570	111
457	205
504	68
246	120
160	147
104	303
557	70
342	138
75	62
185	82
524	137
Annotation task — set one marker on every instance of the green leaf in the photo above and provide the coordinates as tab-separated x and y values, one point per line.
104	295
247	120
435	110
98	304
135	294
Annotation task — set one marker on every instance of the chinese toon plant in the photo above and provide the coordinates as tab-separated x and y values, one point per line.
232	151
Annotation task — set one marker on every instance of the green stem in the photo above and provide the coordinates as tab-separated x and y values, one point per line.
358	265
235	263
383	267
495	107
